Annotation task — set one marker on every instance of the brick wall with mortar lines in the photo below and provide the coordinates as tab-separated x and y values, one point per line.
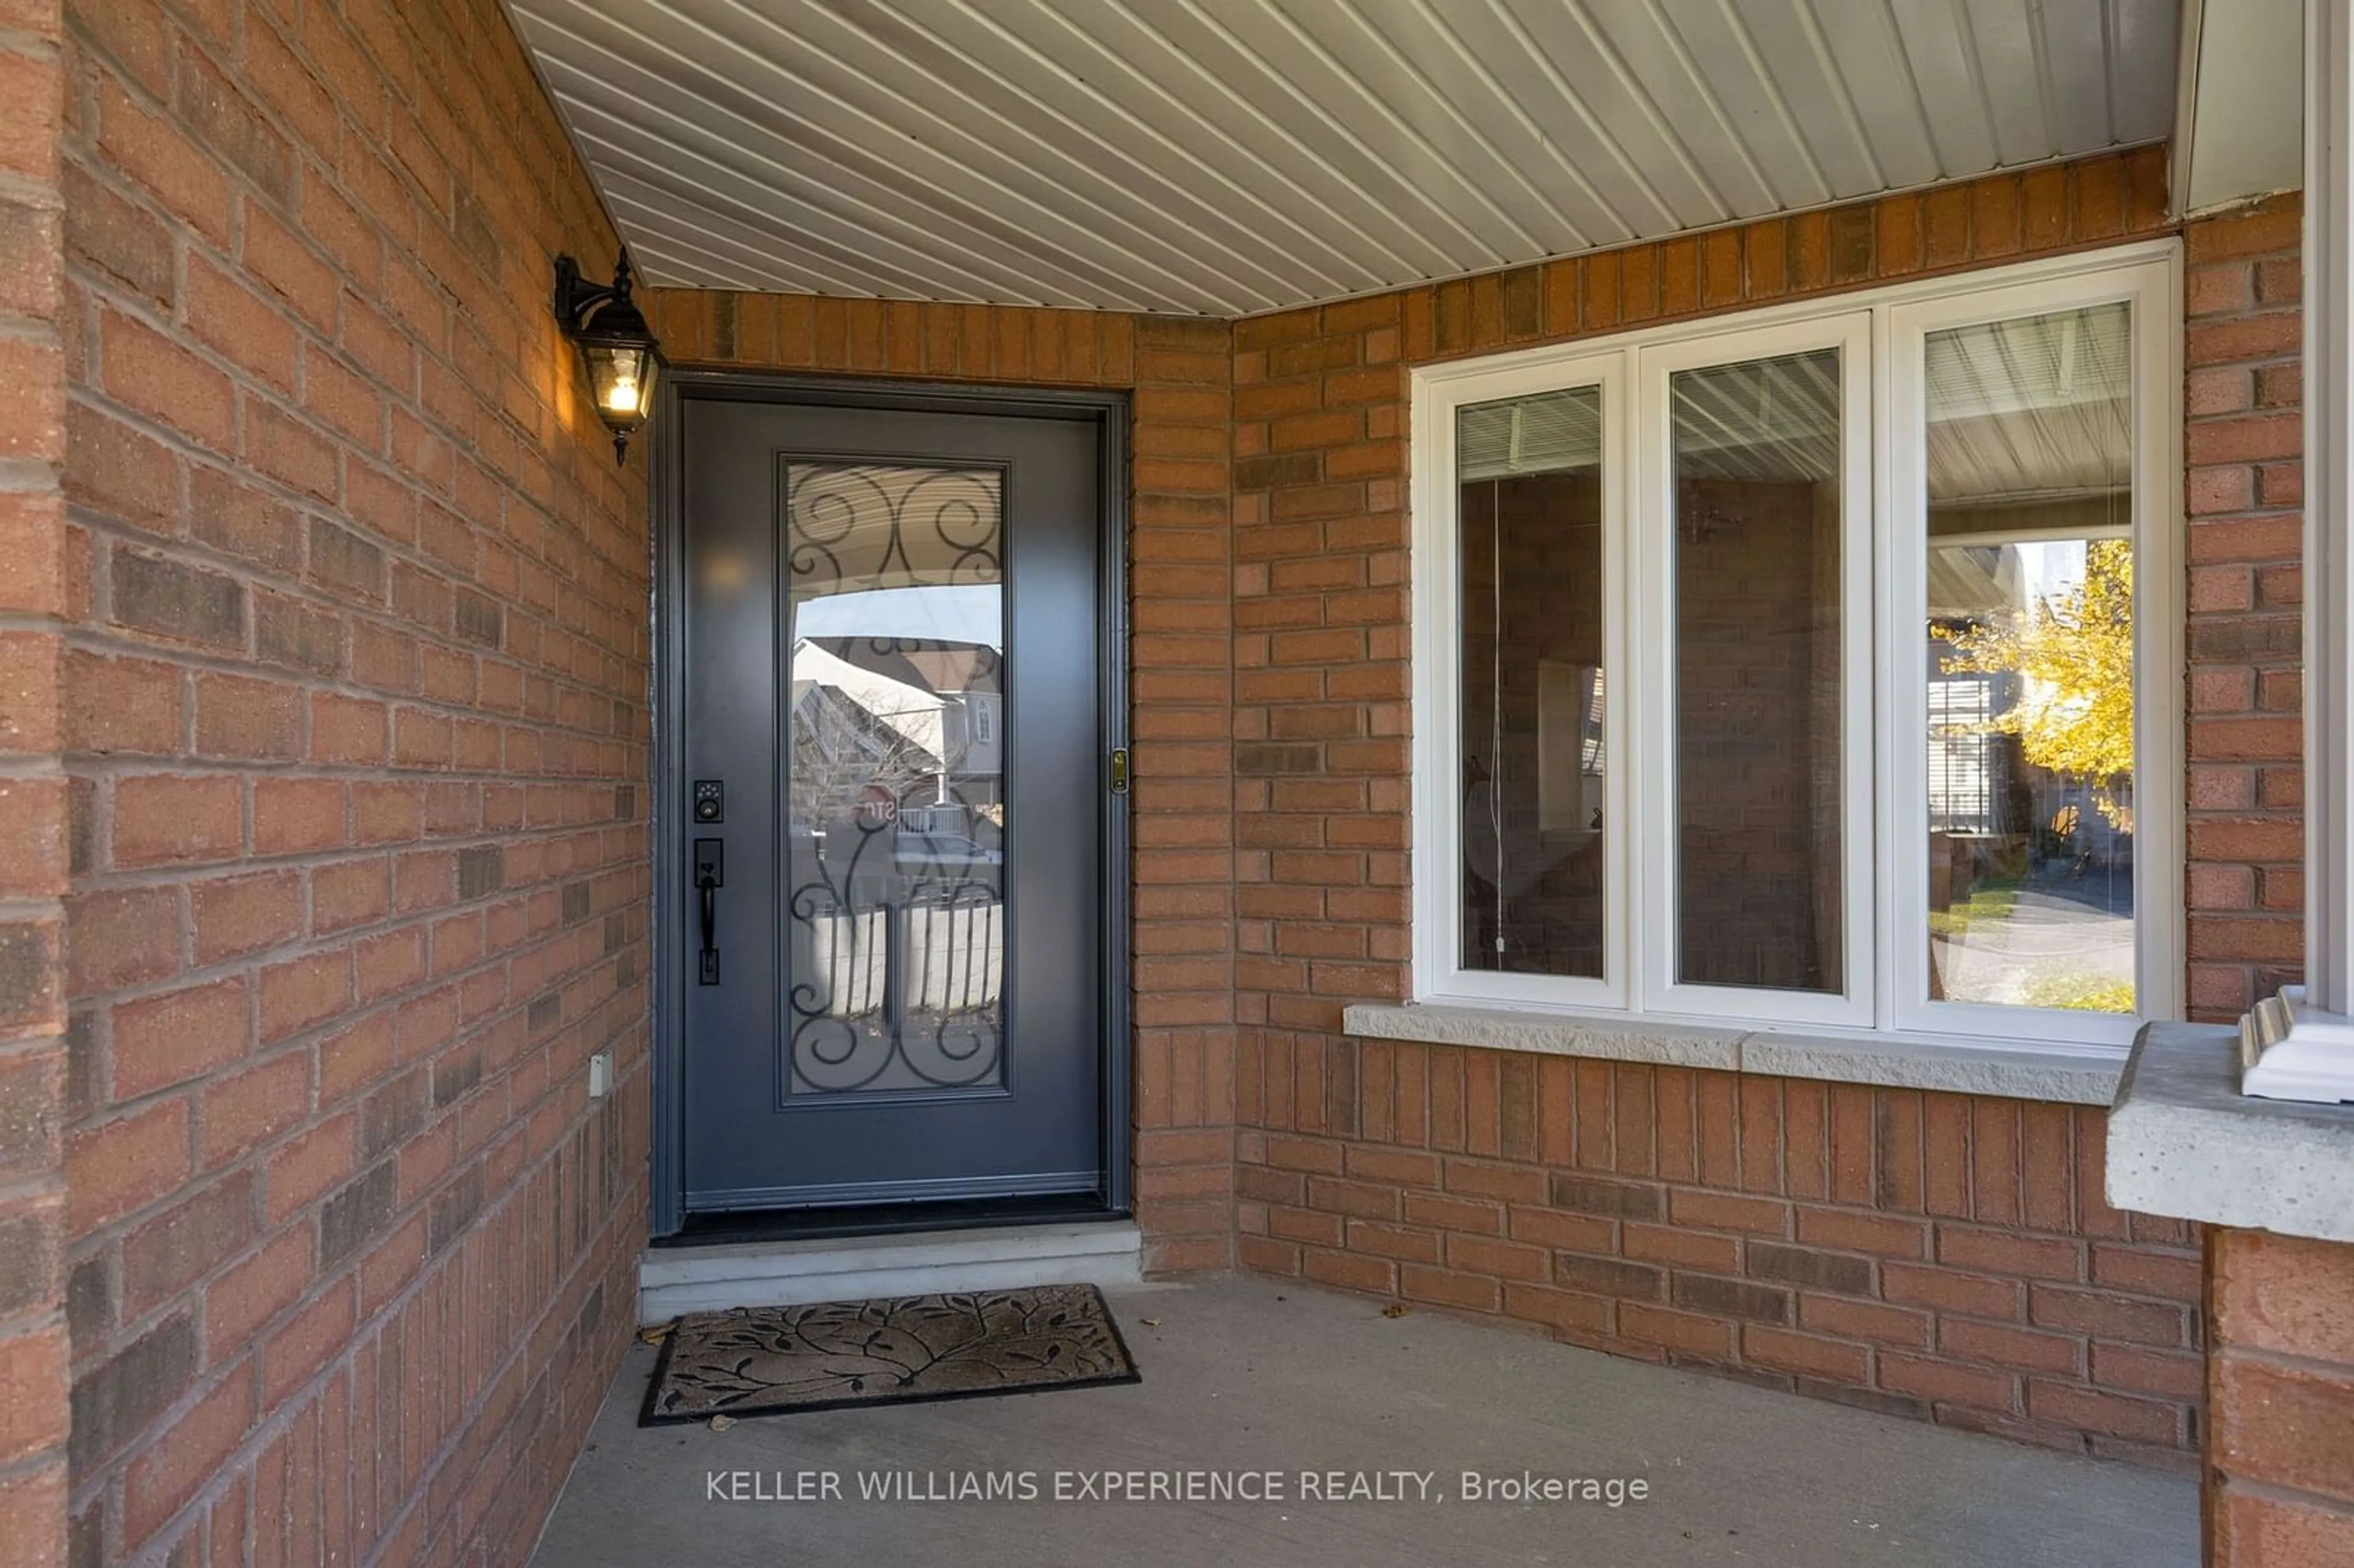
2280	1310
2244	495
2280	1389
1180	654
1941	1256
34	1409
355	724
1932	1254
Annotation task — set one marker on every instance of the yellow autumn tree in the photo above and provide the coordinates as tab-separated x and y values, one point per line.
2073	656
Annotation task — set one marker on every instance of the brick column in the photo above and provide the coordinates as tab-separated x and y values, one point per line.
2280	1308
34	590
1180	653
2242	488
2280	1392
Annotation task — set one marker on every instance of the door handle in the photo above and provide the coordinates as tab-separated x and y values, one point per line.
709	876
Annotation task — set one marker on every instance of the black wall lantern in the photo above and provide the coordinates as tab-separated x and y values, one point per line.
615	344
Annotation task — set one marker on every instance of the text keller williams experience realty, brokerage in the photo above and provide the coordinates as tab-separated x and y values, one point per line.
1169	1486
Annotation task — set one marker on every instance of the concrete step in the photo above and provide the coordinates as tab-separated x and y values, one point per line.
671	1280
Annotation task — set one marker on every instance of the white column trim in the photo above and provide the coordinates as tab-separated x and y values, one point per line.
2329	505
2299	1045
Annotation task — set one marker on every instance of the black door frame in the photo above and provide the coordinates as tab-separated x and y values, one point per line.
1108	411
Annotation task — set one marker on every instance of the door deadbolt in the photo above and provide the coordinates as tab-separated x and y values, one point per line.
710	801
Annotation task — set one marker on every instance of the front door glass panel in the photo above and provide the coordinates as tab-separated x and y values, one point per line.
896	827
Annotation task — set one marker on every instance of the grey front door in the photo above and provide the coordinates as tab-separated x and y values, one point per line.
894	758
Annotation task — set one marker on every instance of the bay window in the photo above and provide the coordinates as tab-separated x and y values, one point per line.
1811	668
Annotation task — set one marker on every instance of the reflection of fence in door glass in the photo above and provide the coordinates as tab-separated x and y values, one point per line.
897	859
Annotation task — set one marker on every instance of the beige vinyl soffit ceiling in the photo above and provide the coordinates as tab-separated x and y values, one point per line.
1228	157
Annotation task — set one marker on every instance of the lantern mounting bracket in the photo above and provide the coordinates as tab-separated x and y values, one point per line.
577	298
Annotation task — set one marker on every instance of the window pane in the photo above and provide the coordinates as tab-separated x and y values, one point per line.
1533	688
2031	717
1757	515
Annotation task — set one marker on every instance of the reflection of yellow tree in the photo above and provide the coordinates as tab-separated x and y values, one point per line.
2073	656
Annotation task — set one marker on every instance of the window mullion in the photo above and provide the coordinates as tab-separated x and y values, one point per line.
1625	725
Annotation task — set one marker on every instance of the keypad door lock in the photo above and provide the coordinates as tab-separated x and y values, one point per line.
710	803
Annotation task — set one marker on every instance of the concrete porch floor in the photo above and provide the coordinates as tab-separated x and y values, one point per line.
1246	1374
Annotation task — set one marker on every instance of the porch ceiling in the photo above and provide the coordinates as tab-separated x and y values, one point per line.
1234	156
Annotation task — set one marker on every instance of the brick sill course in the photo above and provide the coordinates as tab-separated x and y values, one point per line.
2185	1143
2062	1073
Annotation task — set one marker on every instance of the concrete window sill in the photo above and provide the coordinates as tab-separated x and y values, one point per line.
2069	1074
2185	1143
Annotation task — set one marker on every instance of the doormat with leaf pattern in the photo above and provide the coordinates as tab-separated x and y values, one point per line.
766	1361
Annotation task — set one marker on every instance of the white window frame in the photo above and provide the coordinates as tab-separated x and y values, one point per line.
1849	333
2147	290
1437	666
1883	657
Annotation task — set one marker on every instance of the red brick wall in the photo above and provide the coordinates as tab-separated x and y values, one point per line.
355	724
2280	1369
1179	652
1936	1254
2280	1385
2244	496
33	832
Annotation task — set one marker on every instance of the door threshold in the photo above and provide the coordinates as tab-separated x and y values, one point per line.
885	1219
805	1268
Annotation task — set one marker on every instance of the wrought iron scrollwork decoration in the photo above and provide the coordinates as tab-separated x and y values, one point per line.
976	553
824	1033
988	663
897	969
847	524
849	1030
960	1046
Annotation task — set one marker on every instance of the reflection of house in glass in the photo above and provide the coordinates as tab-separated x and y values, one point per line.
921	722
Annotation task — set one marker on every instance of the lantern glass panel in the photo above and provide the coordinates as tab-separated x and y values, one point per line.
624	383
